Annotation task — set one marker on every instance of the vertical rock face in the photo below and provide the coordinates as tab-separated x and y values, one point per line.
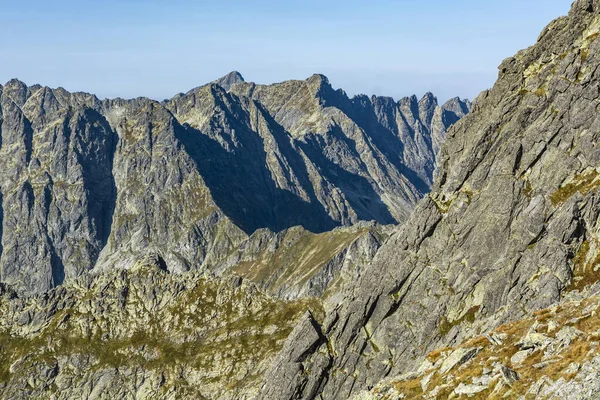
162	204
90	184
510	226
57	187
366	158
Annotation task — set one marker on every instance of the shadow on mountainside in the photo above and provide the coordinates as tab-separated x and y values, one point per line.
97	170
357	190
361	110
70	229
390	145
388	142
259	175
93	144
241	184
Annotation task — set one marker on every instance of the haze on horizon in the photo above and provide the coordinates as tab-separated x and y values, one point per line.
157	49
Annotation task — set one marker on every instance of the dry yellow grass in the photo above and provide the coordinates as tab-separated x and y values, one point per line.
581	349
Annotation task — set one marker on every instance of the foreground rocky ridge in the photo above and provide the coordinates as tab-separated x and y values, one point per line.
511	224
97	184
142	333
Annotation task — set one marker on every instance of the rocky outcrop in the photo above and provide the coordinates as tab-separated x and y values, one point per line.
162	202
509	227
552	354
58	191
227	81
88	184
142	333
488	289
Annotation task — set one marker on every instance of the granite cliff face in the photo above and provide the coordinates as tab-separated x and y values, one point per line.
89	184
510	228
302	146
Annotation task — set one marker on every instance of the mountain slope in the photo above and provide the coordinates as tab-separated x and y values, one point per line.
510	224
88	184
509	230
297	263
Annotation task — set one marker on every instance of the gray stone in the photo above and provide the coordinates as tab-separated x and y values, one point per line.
520	356
509	375
458	357
469	390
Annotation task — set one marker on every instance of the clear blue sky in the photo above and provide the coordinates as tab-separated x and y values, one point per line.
131	48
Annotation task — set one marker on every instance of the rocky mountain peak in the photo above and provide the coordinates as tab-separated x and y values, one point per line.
136	220
231	157
408	101
227	81
17	91
229	242
429	99
317	80
458	106
16	83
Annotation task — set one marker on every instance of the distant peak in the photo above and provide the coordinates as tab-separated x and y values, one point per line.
318	81
457	105
319	86
408	101
15	83
320	78
383	100
17	91
227	81
234	75
429	98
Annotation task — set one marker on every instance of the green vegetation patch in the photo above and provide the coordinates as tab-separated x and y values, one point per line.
540	92
220	331
582	183
584	271
445	325
584	55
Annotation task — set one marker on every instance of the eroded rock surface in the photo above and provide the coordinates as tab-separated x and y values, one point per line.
562	360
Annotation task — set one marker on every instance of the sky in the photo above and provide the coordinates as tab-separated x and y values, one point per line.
131	48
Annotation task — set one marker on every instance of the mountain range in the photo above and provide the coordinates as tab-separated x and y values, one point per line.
90	184
243	241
